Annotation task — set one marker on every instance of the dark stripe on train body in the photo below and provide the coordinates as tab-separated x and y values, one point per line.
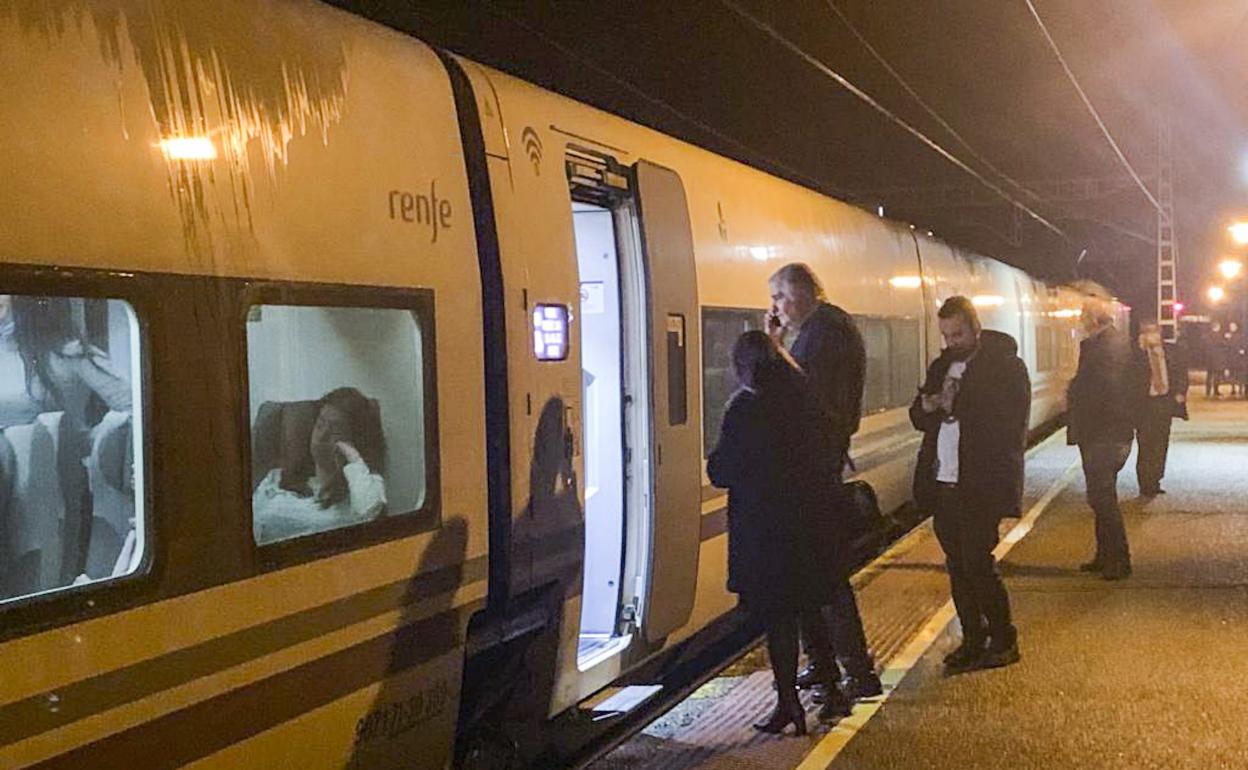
219	722
493	333
31	716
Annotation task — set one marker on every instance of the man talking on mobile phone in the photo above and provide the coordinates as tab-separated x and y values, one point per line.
826	344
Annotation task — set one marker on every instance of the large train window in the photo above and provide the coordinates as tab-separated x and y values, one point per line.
342	423
71	443
721	326
893	362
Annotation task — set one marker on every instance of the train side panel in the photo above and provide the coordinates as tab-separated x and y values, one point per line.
212	165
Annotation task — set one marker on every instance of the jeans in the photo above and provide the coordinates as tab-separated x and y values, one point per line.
1101	462
968	537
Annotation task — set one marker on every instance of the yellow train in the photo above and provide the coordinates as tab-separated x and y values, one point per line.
354	396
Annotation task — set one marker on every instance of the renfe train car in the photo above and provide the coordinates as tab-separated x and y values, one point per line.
354	396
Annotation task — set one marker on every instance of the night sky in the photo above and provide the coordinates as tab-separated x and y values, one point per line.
701	72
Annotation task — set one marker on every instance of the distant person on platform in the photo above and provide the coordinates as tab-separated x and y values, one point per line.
973	410
1101	402
827	345
1163	382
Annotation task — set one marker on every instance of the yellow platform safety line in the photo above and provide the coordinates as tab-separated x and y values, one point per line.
824	752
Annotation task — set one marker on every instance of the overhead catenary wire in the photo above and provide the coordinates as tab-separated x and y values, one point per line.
793	173
864	96
1088	103
926	107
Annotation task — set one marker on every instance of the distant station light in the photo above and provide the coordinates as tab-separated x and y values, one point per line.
1239	232
1230	268
1216	294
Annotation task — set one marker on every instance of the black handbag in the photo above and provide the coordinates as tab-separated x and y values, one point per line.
865	527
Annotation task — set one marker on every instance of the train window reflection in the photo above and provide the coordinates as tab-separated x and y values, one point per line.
337	401
720	329
71	471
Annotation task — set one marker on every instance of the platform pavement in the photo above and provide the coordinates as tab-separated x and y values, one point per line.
1150	672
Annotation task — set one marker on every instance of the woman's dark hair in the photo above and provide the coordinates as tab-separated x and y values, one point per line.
759	363
43	326
363	418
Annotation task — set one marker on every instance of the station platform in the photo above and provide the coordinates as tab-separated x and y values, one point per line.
1146	672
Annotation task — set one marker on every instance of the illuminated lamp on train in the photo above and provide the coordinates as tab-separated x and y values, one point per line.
188	148
550	332
987	300
905	281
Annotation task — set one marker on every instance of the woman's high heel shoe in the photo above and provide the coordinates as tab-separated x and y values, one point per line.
782	716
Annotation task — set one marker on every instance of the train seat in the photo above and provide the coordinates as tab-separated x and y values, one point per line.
281	437
36	509
110	466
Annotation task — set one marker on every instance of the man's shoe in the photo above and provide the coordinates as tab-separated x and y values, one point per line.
1117	572
835	706
966	652
1092	566
997	656
809	677
860	688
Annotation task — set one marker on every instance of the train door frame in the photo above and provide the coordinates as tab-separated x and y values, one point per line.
600	181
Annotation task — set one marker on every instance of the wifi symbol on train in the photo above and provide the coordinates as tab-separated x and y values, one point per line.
532	148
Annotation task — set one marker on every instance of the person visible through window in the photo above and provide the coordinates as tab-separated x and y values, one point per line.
344	483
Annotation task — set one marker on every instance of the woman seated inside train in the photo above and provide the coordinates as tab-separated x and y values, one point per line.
779	509
47	366
332	481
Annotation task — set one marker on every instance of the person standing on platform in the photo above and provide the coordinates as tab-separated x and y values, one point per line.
1164	380
1102	400
779	522
827	345
973	410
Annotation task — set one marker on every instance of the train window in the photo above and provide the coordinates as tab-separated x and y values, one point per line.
340	409
721	326
71	443
877	388
905	360
893	362
677	392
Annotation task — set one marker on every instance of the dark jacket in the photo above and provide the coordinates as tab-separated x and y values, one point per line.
1176	376
1103	398
830	350
992	406
782	544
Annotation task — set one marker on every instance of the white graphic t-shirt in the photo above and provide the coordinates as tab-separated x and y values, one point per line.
950	430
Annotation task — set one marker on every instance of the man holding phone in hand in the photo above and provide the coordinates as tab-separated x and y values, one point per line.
973	410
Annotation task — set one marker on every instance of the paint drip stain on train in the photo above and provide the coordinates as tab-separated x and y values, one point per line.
222	102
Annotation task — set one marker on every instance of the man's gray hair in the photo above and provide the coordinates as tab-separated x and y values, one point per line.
798	275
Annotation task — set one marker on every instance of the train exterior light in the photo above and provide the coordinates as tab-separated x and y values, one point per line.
188	148
905	281
987	300
550	332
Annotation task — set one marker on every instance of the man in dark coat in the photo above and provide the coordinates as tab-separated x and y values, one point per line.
828	347
1101	403
1163	395
973	410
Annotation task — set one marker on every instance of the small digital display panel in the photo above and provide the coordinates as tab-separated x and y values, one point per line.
550	332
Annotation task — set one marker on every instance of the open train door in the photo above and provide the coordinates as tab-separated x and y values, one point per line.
667	248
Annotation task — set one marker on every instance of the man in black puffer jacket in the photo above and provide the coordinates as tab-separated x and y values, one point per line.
973	410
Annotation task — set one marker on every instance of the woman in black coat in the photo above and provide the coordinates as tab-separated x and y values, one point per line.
780	500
